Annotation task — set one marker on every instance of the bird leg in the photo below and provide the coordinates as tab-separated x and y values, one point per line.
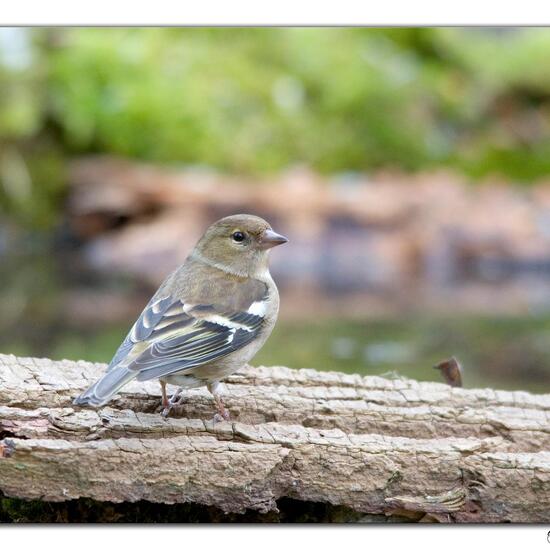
164	396
215	389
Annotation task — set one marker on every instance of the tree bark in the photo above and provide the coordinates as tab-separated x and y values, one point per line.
395	447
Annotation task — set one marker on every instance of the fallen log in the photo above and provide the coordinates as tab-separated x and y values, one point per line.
376	446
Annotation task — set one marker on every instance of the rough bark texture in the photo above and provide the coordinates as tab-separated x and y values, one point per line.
369	444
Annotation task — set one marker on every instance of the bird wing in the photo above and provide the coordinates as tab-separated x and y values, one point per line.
171	336
142	328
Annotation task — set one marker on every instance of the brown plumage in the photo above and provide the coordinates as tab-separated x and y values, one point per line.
207	319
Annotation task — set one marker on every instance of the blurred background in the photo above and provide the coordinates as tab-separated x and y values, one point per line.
409	168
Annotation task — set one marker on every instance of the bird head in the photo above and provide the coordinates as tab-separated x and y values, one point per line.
239	244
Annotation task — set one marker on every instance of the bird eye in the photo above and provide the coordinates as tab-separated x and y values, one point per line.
238	236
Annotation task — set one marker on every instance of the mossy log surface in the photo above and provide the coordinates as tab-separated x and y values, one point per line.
373	446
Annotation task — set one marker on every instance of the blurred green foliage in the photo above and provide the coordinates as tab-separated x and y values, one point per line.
256	100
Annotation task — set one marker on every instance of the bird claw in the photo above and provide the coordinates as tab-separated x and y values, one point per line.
175	401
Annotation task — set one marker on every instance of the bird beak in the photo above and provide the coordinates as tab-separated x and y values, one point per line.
269	239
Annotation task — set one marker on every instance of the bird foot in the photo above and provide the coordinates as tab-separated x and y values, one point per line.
215	388
175	401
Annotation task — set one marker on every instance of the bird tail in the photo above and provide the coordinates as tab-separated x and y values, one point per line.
104	389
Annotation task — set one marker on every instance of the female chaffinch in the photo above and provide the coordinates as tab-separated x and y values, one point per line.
207	319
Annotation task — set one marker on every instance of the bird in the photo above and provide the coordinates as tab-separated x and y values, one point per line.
207	319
